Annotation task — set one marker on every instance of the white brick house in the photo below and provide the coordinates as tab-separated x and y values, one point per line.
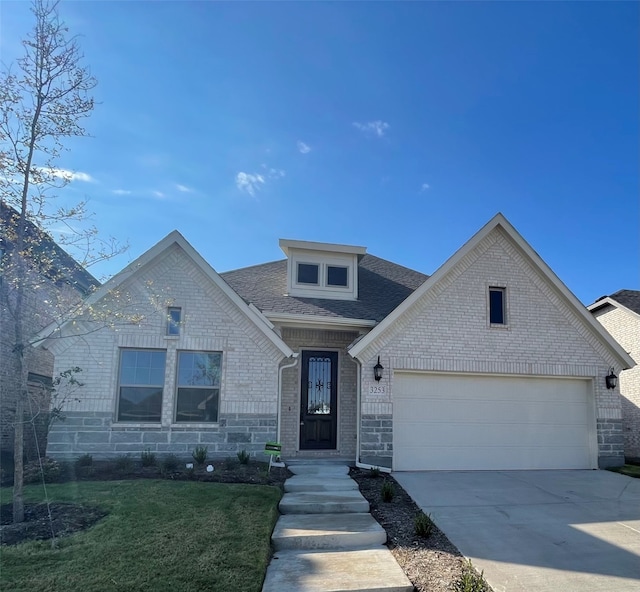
490	363
620	316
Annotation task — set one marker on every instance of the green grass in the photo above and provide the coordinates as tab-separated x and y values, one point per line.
158	536
629	470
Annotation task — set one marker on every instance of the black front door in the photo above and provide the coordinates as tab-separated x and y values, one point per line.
318	400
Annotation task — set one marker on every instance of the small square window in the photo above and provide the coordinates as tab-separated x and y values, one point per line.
307	273
337	276
497	313
174	317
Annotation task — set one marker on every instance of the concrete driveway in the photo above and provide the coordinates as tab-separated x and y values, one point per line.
538	531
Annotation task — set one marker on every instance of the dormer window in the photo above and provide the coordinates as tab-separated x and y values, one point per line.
337	276
322	270
308	273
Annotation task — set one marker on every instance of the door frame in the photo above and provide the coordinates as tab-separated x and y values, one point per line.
303	352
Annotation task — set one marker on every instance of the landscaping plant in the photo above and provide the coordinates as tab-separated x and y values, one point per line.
200	454
470	580
423	525
387	491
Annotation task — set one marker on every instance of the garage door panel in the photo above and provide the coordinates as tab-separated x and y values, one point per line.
465	422
471	435
434	410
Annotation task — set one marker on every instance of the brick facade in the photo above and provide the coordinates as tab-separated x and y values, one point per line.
447	330
624	326
211	322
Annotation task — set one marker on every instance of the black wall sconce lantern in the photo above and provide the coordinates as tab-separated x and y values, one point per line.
377	370
611	379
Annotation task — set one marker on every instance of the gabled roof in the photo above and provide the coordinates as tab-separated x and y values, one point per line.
176	238
498	221
382	286
60	267
629	299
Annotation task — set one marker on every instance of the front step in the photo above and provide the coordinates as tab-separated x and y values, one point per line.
311	483
327	531
362	570
328	502
326	470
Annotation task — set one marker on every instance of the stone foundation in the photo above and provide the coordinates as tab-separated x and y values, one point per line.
610	443
376	440
93	433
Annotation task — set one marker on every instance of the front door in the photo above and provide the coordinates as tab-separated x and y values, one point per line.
318	400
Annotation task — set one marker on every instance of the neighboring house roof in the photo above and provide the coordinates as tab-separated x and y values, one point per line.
382	286
629	299
175	238
498	221
60	266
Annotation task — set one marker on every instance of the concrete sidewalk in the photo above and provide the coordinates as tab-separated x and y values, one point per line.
538	531
326	540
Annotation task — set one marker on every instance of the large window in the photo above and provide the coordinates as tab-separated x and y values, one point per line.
198	391
140	385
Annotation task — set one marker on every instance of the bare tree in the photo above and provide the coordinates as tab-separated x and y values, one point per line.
44	98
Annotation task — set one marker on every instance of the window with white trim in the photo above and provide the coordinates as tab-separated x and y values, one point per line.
307	274
198	386
140	385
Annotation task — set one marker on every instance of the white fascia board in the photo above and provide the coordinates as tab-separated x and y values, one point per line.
610	301
286	244
499	221
298	320
176	238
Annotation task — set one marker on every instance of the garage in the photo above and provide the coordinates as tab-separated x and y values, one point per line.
489	422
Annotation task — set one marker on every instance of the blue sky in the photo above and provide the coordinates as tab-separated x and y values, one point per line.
402	127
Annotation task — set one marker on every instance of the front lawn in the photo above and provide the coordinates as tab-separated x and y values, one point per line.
158	536
628	470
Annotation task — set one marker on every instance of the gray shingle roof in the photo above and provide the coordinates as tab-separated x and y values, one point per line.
628	298
59	267
382	286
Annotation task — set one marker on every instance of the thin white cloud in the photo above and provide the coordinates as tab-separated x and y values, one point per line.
303	148
376	128
276	173
251	183
424	187
68	175
121	192
158	194
183	188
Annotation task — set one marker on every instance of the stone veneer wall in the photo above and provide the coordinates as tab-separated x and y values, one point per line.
624	326
297	340
93	433
447	330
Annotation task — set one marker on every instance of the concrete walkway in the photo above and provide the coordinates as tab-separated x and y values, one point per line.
326	540
538	531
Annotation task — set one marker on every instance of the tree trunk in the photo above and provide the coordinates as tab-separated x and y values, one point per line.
18	456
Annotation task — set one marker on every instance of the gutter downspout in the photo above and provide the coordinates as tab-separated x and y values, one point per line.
279	410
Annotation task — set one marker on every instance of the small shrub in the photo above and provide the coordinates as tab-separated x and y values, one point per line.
50	469
170	463
86	460
387	491
124	463
470	581
423	525
200	454
148	458
243	457
374	472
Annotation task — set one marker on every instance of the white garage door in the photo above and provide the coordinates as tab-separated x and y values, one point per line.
461	422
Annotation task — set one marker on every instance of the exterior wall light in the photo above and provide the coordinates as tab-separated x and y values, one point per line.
611	379
377	370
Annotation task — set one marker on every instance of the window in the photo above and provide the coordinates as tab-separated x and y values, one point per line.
174	315
307	273
497	313
140	385
198	386
337	276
